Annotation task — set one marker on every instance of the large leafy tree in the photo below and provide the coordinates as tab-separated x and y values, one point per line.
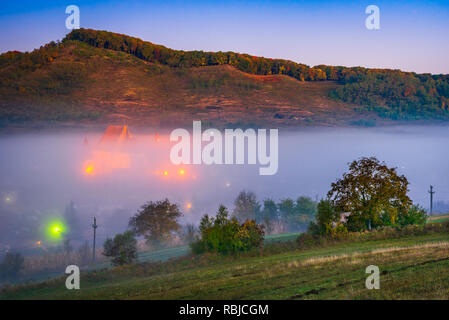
286	207
268	216
306	206
295	215
326	219
325	216
246	206
373	193
156	221
270	211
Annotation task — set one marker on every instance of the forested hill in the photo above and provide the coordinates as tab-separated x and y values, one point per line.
92	75
391	93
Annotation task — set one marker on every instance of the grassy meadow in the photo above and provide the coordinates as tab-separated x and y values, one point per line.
412	267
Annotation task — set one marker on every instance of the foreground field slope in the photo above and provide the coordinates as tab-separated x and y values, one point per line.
411	267
94	76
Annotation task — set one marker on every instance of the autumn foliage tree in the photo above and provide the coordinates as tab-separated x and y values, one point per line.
156	221
372	193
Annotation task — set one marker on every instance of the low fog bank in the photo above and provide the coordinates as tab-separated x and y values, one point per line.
71	176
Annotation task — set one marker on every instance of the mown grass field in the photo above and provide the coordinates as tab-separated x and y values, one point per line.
438	218
412	267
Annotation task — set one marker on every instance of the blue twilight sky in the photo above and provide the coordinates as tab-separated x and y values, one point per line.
413	35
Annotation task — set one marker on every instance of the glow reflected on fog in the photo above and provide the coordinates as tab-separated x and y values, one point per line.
43	172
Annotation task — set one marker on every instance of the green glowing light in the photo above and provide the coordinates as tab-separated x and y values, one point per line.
55	230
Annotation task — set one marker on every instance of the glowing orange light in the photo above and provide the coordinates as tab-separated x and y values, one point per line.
189	205
165	173
89	169
181	172
38	243
111	160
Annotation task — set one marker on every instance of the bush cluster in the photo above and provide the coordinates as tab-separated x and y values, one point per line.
224	235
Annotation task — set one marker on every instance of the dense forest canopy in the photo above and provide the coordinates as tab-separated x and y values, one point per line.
392	94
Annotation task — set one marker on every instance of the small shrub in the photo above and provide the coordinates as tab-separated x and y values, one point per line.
307	240
122	249
414	216
10	267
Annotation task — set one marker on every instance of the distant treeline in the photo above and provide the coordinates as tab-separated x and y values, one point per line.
392	94
178	58
397	95
37	86
15	64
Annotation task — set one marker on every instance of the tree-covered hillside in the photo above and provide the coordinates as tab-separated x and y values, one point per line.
391	93
92	75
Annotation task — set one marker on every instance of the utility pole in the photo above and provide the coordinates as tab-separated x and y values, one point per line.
431	199
95	233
